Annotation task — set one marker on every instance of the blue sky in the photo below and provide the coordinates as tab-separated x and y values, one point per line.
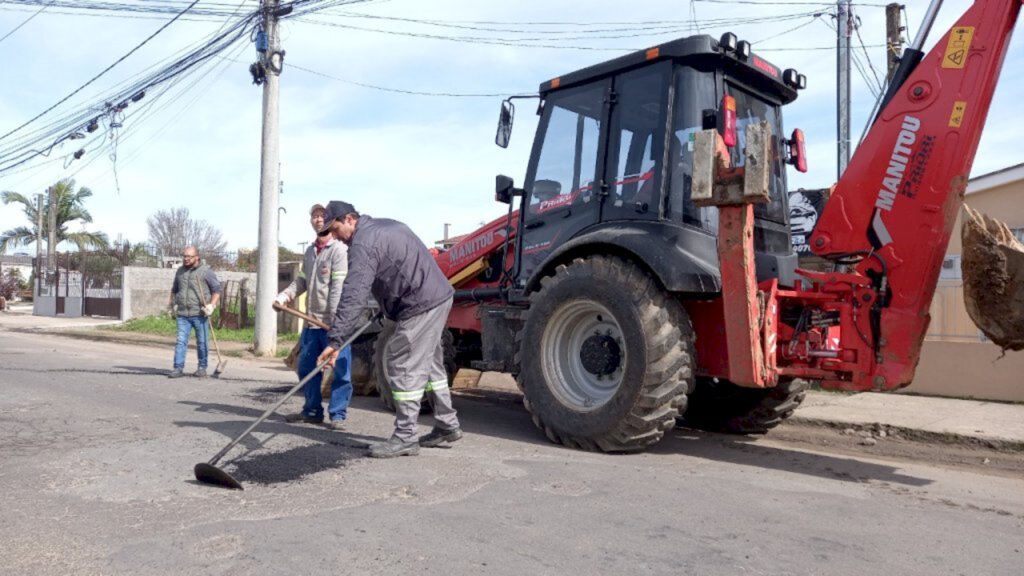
425	160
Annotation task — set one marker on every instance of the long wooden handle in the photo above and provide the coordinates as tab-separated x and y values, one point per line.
303	315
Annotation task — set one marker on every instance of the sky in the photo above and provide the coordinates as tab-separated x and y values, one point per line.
426	160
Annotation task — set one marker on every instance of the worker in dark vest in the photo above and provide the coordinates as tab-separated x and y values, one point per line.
194	296
387	260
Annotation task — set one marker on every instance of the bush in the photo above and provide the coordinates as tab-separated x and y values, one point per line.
11	283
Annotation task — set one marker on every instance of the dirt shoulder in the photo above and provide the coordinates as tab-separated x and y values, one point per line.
950	451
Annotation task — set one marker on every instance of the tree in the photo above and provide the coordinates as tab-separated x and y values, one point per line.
11	283
170	231
70	207
248	260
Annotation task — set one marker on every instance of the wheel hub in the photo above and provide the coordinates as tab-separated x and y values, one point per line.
600	354
583	355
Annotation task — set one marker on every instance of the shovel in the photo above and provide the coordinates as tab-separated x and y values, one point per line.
208	473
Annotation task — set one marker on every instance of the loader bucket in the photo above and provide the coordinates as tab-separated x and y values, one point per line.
993	274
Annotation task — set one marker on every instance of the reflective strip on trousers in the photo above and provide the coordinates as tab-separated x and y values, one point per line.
411	395
435	386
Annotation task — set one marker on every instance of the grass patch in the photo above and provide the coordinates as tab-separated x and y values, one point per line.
166	326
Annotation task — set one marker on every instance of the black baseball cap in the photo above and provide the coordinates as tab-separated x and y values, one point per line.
335	209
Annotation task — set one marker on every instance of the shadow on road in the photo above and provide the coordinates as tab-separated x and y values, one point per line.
509	420
747	451
247	463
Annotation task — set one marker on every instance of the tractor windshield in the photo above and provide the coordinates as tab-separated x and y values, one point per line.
750	110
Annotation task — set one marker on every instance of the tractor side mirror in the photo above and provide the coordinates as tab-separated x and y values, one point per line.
503	189
508	113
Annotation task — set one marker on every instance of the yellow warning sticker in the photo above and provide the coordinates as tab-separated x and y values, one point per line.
956	50
957	117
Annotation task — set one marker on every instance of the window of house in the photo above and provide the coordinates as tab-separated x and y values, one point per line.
950	268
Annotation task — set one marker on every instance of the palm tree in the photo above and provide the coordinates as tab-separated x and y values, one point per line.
70	207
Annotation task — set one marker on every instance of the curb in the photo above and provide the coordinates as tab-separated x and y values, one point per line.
228	349
879	431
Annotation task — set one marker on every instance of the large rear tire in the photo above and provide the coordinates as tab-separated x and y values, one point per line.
605	356
363	382
725	407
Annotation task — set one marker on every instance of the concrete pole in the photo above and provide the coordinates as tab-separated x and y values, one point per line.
844	28
894	38
51	245
39	243
265	334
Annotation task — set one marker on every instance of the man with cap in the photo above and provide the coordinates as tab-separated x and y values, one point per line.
388	261
323	273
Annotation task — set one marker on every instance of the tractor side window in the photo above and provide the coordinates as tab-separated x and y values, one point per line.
695	93
636	141
567	163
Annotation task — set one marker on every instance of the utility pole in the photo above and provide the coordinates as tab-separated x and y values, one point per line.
39	243
893	38
844	29
271	60
51	245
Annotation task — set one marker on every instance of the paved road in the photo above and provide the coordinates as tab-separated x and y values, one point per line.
97	449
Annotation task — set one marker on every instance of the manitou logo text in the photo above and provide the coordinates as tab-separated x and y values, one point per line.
901	154
464	250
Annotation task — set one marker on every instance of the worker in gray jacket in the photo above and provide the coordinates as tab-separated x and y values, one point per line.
194	296
388	261
323	274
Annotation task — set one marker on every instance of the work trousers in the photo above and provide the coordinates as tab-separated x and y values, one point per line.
186	324
414	366
314	340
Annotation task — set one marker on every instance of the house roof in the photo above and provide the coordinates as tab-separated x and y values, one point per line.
995	179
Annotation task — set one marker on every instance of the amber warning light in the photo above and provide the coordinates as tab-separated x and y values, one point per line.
729	120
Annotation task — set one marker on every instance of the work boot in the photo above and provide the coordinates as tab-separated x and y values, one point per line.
438	437
201	373
176	373
300	417
336	425
393	447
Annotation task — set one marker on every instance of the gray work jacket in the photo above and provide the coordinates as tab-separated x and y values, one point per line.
387	260
322	277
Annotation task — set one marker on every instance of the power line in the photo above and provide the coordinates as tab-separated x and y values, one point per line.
788	3
105	70
398	90
21	151
539	27
793	29
868	58
27	20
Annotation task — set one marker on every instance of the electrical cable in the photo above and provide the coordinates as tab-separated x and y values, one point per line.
880	84
398	90
197	56
105	70
26	21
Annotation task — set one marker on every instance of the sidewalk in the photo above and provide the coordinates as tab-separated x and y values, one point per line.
19	318
994	424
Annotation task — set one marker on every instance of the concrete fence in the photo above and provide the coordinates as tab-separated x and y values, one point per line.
145	291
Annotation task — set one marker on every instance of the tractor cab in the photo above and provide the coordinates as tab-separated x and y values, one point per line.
612	160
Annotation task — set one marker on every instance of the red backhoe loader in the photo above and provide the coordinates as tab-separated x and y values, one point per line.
644	272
